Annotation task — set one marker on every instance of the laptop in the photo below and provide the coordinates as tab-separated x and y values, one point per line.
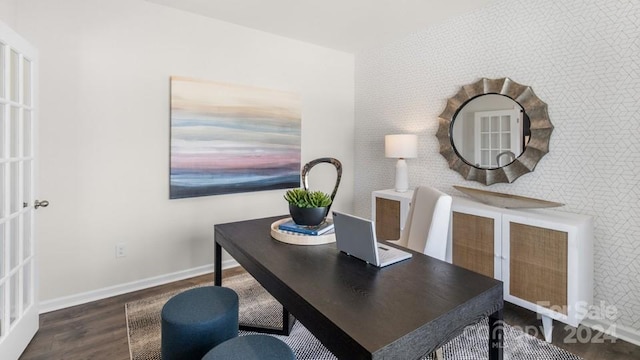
356	237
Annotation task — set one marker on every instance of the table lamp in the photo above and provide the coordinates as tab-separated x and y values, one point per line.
401	146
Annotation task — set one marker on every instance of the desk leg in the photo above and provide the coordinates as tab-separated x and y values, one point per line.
287	319
496	336
217	265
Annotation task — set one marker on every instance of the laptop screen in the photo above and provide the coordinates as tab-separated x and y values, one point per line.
356	237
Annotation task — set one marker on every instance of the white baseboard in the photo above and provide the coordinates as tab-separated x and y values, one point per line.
616	330
98	294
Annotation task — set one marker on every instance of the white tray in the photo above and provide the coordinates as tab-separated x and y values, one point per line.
297	238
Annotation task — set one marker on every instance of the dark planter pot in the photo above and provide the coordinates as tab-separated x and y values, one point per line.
307	216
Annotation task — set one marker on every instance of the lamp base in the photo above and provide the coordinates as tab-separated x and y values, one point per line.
402	176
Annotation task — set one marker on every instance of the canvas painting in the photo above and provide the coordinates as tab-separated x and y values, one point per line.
231	138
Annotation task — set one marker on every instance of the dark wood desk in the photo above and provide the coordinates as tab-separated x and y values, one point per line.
359	311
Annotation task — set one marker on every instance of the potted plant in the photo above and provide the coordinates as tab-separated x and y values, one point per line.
307	207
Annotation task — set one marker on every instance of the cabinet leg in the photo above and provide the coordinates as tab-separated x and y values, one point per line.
547	325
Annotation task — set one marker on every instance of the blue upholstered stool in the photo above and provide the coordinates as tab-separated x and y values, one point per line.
251	347
196	320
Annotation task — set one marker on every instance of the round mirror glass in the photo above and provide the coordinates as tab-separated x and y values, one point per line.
490	131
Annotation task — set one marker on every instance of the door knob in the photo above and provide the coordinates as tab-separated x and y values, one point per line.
38	203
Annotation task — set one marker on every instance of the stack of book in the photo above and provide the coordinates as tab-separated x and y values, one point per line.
323	228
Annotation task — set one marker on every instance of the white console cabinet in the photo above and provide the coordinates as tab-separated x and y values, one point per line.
544	257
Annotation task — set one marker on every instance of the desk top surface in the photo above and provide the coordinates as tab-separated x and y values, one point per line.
358	310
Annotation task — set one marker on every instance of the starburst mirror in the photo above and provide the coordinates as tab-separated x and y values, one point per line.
494	131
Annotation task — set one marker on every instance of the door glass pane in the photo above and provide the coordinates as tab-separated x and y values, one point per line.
2	188
14	142
27	133
14	292
506	141
26	238
2	79
14	186
14	76
26	286
495	123
3	130
485	141
14	242
2	330
506	123
27	168
26	85
484	121
495	141
3	251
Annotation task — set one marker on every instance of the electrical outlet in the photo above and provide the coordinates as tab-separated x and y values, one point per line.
121	250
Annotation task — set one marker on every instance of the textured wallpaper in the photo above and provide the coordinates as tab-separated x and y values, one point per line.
582	59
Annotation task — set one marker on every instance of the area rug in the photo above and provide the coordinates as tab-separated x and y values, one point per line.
257	307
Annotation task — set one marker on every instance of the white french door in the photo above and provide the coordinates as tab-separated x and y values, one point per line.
498	133
18	276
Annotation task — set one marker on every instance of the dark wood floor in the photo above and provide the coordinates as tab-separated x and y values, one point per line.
98	330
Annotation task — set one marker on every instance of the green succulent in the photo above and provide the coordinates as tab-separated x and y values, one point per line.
295	196
307	199
318	199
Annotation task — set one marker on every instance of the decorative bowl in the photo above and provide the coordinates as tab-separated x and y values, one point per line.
506	201
307	216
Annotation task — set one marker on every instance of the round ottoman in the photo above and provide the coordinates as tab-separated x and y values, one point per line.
251	347
196	320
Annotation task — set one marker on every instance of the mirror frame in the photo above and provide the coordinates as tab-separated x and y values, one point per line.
537	147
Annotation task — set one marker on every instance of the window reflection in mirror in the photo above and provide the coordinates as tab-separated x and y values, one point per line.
490	131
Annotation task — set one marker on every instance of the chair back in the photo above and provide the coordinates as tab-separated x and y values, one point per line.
427	226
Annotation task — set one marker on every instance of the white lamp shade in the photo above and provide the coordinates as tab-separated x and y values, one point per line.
403	146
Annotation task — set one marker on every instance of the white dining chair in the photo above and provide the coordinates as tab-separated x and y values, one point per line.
427	226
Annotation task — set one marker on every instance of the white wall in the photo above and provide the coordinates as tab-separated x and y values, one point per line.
8	12
581	58
104	133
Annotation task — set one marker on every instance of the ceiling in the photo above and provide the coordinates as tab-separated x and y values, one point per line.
345	25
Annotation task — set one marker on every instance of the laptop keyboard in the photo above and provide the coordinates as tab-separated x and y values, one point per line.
385	254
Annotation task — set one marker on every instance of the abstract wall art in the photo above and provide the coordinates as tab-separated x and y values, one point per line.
232	138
